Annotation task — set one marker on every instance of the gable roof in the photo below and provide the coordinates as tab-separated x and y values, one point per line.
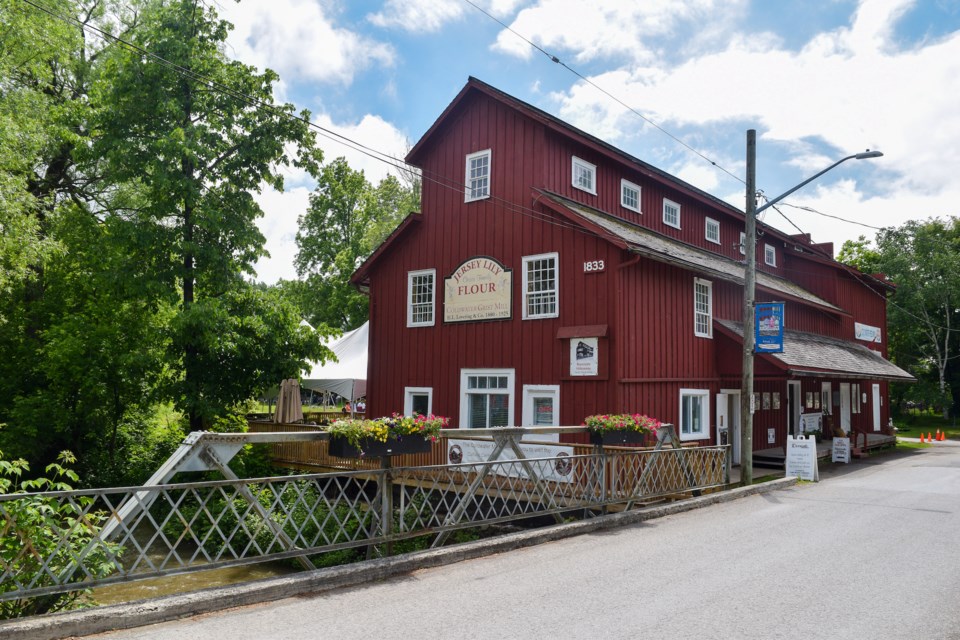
361	277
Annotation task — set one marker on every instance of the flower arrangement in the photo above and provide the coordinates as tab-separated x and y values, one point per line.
604	423
395	427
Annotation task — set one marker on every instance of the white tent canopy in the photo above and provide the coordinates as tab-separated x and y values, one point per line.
348	376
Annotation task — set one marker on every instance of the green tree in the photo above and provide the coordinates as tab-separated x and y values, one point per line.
346	220
198	134
922	258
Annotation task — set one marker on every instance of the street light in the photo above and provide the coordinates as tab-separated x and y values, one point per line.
749	293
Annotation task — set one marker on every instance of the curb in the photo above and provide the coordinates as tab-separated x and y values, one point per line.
145	612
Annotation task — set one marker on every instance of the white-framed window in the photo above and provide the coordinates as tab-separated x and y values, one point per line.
743	243
478	176
671	213
825	398
417	400
770	255
694	414
541	286
421	297
584	176
541	408
712	232
702	308
486	398
630	196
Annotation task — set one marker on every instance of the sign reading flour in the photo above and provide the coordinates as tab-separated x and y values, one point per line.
479	289
802	458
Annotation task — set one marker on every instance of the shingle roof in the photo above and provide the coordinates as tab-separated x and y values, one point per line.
813	354
663	249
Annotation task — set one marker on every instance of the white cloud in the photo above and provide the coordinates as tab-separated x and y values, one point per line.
371	131
300	40
610	28
429	16
279	226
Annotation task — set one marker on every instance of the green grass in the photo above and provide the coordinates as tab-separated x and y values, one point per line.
914	424
912	445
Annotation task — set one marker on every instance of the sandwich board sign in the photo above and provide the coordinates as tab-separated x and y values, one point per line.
802	458
841	450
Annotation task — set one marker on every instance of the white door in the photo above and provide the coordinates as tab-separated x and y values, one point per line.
876	407
541	408
728	421
845	406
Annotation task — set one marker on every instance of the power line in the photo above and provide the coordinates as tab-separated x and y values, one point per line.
827	215
626	106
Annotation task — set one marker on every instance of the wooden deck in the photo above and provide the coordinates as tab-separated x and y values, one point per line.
775	458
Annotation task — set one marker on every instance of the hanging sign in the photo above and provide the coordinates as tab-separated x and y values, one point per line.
769	327
866	332
584	356
479	289
550	462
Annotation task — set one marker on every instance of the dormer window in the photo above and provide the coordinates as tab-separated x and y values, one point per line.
630	196
671	213
584	176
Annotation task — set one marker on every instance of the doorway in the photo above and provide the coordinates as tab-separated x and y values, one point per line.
794	407
728	421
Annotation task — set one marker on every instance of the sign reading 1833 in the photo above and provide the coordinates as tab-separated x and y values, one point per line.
594	266
479	289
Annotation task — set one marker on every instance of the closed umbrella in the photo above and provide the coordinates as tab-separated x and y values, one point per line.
289	408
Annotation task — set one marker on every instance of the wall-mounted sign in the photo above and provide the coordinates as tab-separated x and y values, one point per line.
479	289
811	422
584	356
594	266
866	332
769	327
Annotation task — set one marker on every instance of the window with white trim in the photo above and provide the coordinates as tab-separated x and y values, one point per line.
694	414
671	213
825	398
421	297
630	196
478	176
702	308
712	232
417	400
743	243
584	176
540	286
770	255
855	397
486	398
541	408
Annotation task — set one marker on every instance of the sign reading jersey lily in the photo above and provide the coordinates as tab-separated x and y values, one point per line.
479	289
769	317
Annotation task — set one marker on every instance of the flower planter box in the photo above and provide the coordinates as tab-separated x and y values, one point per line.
341	448
617	438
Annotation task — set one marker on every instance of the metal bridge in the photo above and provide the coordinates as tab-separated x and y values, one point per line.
112	535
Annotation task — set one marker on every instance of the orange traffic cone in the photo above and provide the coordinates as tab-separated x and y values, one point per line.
929	437
922	441
942	436
938	435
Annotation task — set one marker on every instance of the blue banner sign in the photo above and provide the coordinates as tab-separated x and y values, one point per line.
769	327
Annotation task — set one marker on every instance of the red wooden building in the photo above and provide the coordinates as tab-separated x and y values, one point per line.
551	276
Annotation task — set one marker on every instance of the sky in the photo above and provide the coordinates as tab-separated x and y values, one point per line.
676	84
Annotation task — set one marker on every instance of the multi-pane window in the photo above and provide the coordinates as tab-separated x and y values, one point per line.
584	175
694	414
630	196
478	176
540	286
420	298
713	231
770	255
486	398
671	213
702	308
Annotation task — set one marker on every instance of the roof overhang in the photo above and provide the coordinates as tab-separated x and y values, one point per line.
814	355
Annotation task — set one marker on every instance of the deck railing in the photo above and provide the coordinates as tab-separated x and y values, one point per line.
185	527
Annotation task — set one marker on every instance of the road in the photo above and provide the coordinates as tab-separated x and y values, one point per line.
869	552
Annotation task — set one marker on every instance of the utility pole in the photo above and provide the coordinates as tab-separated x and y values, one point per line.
749	293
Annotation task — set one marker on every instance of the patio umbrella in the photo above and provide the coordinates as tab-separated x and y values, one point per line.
289	408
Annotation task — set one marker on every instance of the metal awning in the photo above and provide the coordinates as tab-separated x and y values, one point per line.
810	354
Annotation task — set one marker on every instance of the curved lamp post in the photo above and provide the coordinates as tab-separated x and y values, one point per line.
749	293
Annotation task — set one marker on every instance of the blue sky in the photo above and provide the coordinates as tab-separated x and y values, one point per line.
818	80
